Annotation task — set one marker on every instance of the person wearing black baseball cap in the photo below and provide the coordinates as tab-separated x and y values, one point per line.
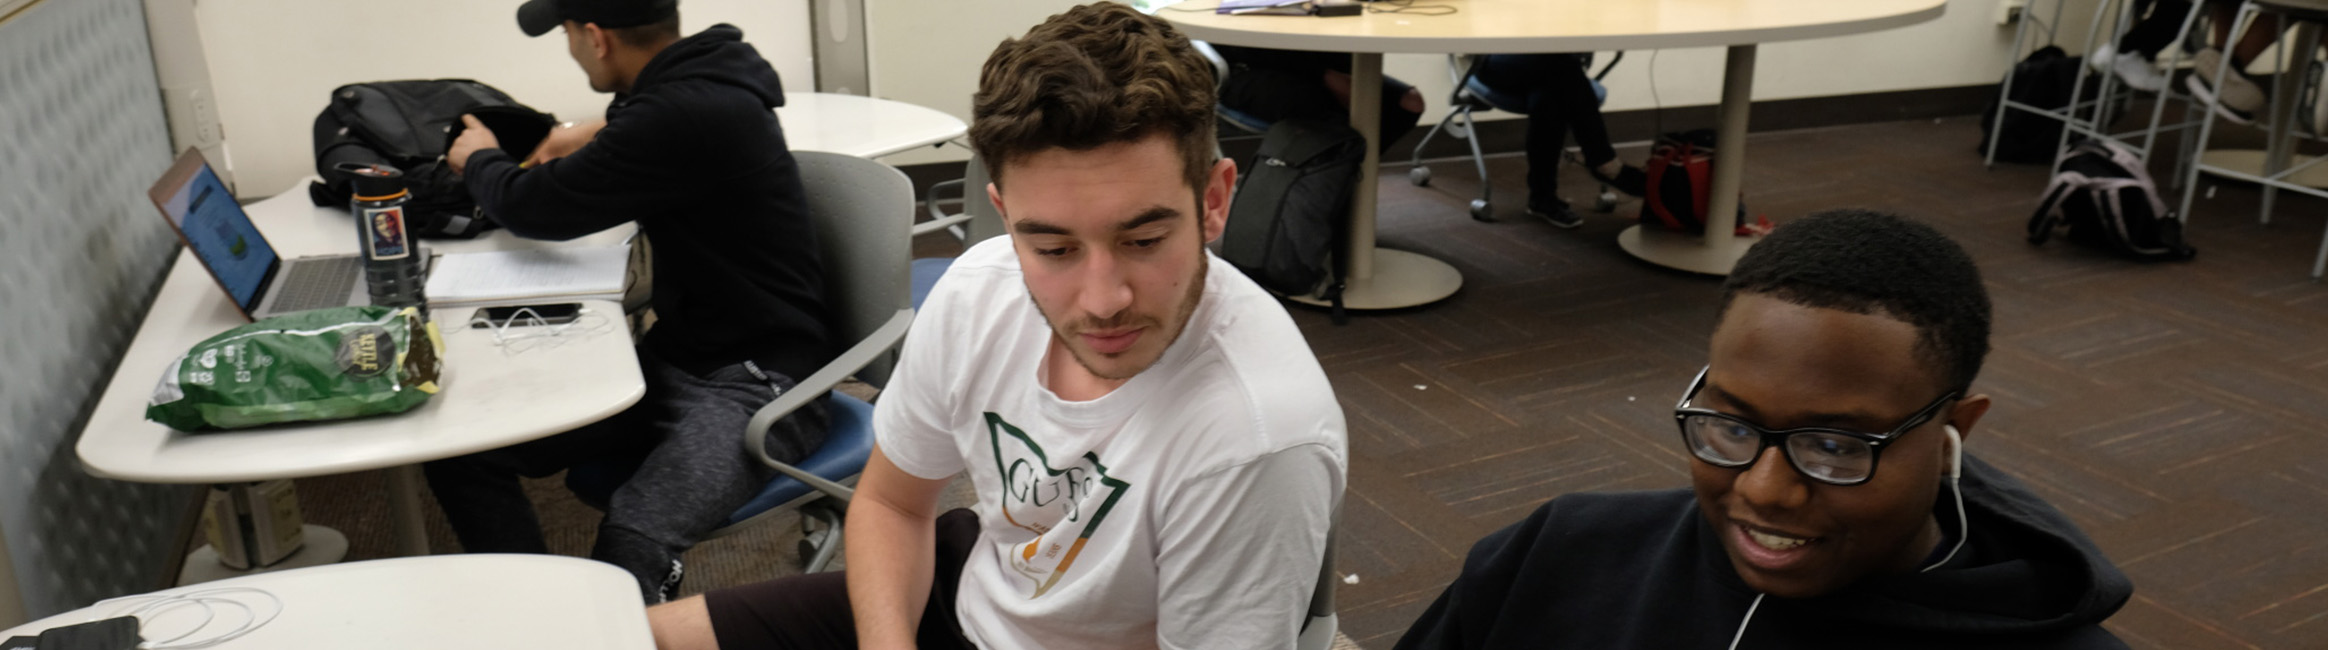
538	17
691	151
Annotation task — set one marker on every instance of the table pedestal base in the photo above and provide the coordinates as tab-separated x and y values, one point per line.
1687	252
1401	279
318	546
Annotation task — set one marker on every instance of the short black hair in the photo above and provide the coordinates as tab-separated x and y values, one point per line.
1868	262
649	35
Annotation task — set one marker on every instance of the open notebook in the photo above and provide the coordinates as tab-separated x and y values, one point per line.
528	276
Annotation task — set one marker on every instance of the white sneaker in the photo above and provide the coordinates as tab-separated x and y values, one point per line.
2138	72
2240	99
2103	56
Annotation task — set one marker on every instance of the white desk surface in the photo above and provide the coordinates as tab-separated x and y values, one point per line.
1532	26
444	601
491	399
865	127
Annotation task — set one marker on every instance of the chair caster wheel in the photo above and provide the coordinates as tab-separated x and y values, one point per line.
1419	175
1479	210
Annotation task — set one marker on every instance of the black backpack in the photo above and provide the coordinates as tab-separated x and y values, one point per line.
2106	198
409	125
2043	80
1292	206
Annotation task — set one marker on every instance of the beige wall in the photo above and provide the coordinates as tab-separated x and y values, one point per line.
273	63
928	52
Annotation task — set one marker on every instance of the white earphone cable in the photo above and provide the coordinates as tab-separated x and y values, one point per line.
1955	474
150	607
1741	636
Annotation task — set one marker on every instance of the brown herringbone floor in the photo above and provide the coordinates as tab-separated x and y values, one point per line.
2178	412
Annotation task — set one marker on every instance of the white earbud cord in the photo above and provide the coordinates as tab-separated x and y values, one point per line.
1741	636
1955	473
1963	531
147	608
548	335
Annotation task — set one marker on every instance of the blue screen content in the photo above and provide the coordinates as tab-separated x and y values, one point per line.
222	235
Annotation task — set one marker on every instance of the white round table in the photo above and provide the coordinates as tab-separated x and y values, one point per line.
865	127
443	601
1535	26
493	397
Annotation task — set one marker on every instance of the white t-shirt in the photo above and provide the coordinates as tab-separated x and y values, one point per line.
1187	508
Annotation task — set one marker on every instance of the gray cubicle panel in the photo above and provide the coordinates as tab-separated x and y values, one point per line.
82	136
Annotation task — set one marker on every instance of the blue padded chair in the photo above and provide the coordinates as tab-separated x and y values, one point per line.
855	203
1472	96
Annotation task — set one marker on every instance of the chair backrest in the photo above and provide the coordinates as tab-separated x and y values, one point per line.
985	222
1319	624
1220	65
864	221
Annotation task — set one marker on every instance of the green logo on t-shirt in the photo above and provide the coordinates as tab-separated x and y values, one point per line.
1062	506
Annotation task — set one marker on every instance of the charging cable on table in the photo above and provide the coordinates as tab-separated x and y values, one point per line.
538	332
148	608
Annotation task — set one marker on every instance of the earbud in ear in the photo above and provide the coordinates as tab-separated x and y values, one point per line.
1955	451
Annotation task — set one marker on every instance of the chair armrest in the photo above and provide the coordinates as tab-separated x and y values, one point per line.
939	223
939	220
930	198
816	385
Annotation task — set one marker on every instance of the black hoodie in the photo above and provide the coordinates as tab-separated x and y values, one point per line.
694	154
1641	570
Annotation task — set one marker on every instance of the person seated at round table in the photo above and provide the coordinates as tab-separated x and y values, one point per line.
691	151
1271	85
1560	101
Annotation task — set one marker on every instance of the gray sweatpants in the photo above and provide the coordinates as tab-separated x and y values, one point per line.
685	439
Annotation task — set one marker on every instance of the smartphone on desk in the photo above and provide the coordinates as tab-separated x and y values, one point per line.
523	315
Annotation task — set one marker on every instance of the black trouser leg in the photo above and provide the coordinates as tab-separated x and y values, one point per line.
700	474
1272	94
486	504
1560	102
2154	32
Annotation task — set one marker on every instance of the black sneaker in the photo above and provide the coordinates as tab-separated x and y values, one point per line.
669	591
1629	179
1556	214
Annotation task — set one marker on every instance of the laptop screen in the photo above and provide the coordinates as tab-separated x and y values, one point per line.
218	231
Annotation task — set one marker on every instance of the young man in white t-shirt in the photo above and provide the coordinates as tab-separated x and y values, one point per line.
1156	452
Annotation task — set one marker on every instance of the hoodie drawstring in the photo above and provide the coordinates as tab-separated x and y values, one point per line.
1743	622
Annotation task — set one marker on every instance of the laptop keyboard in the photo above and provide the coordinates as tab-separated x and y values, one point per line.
318	284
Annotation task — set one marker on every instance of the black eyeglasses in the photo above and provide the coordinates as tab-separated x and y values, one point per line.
1827	455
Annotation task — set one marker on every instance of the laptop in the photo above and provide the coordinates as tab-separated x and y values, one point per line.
255	277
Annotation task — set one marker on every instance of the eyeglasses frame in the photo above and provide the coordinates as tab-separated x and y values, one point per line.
1875	442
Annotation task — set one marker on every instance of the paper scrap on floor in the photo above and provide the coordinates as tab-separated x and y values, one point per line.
528	276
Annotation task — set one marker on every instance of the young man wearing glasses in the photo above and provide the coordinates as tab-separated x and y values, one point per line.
1832	504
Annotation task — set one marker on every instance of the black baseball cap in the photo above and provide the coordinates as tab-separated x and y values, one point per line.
538	17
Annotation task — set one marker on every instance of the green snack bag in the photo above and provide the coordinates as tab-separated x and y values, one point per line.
323	364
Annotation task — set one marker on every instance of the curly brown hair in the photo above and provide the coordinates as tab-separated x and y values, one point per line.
1098	74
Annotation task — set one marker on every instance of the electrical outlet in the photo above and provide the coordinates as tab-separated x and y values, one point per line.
2010	10
206	127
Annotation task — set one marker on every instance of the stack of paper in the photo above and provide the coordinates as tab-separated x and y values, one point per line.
1268	7
528	277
